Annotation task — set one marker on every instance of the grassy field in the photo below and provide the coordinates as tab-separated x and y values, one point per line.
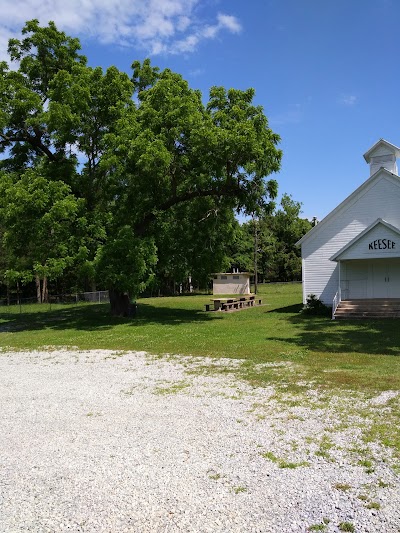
355	355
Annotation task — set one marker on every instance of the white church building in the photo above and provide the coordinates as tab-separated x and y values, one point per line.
353	254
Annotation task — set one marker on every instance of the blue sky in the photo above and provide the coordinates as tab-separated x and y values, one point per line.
325	71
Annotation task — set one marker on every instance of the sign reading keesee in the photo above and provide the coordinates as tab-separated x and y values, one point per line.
382	244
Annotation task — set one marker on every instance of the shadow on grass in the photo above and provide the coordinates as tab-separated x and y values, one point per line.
322	334
294	308
97	317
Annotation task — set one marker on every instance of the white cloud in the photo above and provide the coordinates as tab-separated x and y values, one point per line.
5	35
197	72
156	26
348	99
209	31
229	22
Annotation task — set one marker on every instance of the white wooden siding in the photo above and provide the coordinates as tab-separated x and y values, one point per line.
386	161
383	156
380	198
361	249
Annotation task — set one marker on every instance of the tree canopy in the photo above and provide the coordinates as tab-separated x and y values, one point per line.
122	179
275	235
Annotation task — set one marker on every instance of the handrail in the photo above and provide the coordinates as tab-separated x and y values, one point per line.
336	301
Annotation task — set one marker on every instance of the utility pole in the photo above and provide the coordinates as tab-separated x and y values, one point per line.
255	253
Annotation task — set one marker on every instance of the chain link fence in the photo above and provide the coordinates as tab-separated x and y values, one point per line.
15	303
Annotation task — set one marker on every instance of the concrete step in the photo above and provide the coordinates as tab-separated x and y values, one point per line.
351	316
370	309
389	314
377	308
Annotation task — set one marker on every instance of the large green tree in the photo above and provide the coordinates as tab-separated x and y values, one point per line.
154	173
43	231
280	258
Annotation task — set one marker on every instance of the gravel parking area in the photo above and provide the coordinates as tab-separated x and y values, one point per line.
106	442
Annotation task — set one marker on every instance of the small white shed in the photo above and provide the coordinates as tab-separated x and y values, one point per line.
231	283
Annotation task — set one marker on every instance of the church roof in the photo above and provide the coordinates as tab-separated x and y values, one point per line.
381	172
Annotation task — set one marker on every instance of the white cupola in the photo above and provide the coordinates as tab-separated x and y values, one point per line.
382	154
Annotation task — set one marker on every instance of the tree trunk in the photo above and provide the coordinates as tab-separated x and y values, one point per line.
42	291
120	303
45	291
38	290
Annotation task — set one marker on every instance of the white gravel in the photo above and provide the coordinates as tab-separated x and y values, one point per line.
105	442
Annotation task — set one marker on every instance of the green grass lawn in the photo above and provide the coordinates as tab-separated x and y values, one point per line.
359	355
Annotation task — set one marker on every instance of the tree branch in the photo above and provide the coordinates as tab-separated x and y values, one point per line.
35	141
231	189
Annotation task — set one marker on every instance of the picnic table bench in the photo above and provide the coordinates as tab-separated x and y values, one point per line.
230	304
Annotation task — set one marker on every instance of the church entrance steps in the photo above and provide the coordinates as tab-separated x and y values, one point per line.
369	308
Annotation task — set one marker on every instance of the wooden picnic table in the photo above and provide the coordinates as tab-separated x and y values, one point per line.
225	304
218	302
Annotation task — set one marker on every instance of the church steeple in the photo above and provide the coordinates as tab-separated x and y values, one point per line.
382	154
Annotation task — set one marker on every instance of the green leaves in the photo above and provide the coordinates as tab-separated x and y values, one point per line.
44	52
38	217
125	262
110	174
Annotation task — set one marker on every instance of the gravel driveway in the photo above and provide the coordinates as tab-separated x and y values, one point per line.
106	442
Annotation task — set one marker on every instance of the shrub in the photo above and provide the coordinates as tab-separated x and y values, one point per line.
314	306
